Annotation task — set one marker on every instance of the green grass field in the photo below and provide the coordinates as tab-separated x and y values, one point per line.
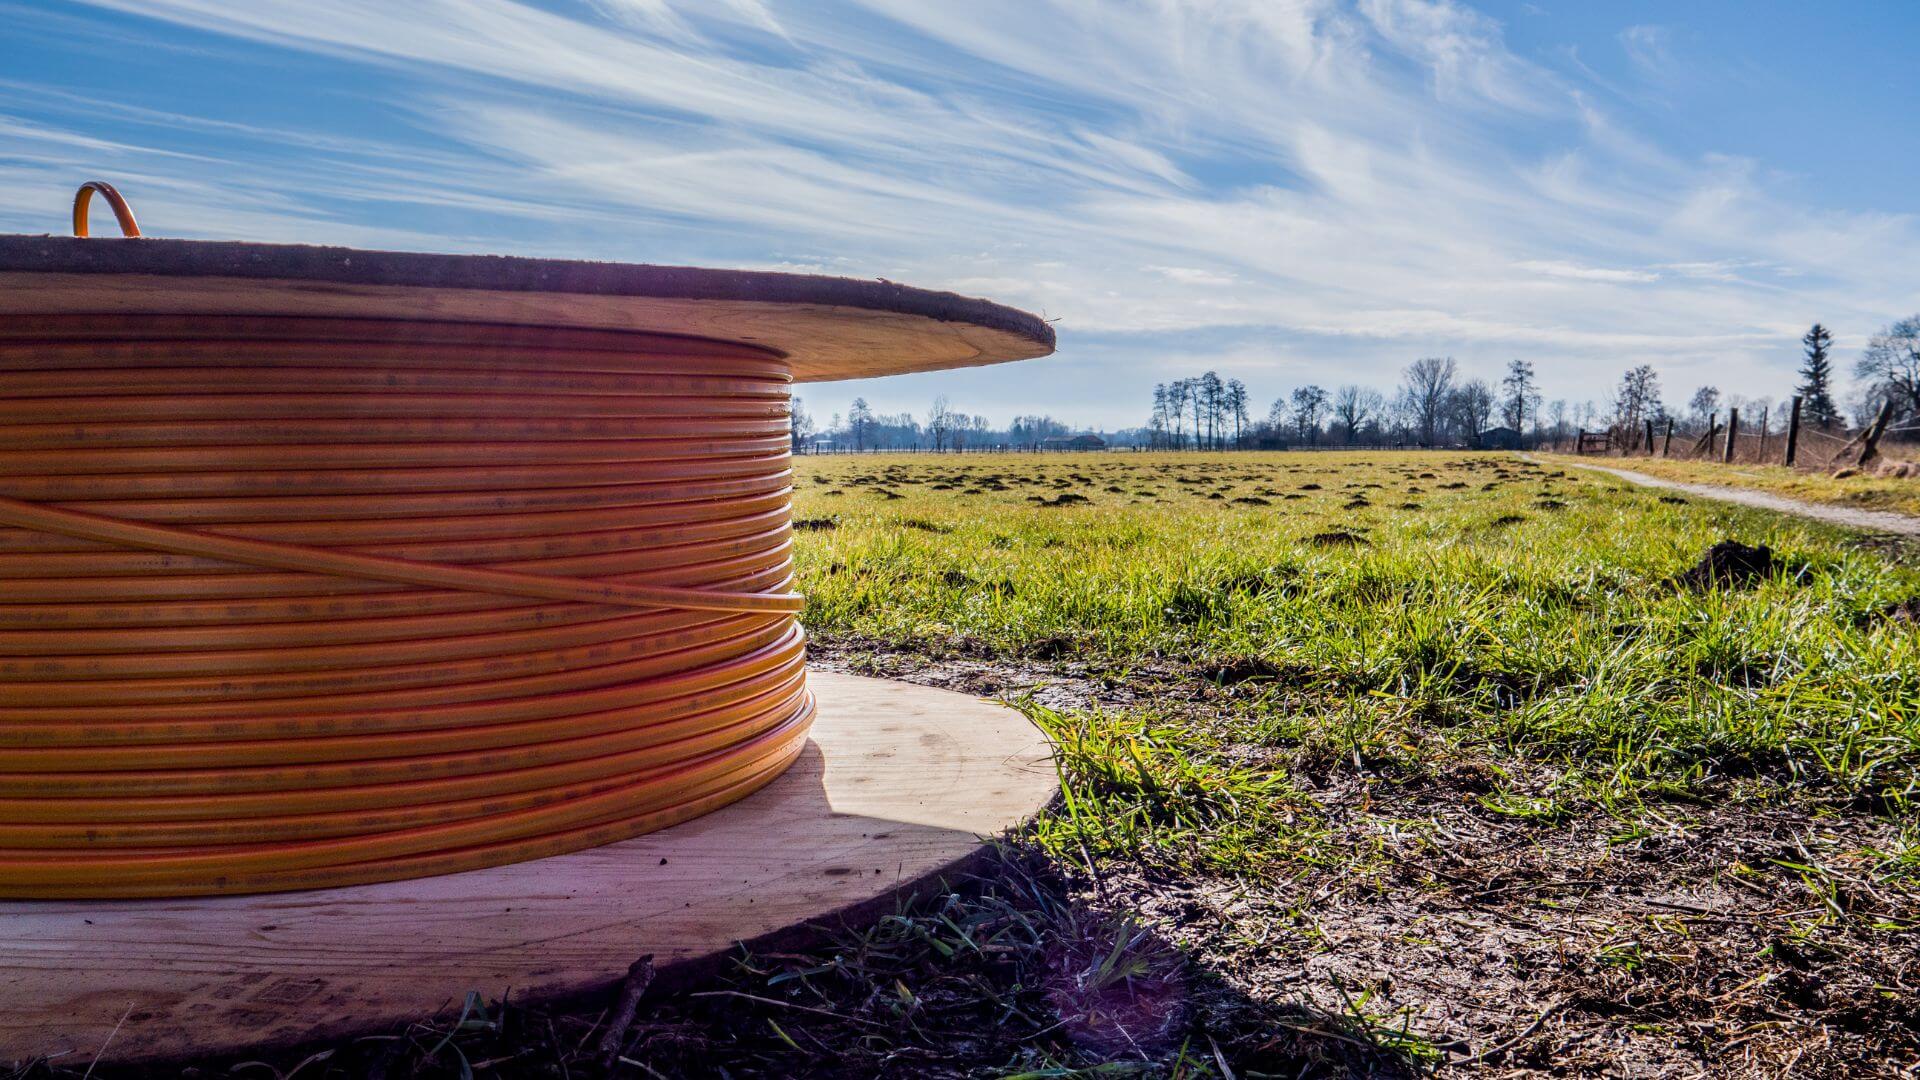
1399	608
1374	765
1307	677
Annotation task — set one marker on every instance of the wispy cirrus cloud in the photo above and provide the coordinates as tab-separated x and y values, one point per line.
1359	182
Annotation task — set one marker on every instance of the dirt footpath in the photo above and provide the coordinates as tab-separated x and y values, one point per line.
1884	521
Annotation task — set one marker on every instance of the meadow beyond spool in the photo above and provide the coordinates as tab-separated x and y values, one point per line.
321	567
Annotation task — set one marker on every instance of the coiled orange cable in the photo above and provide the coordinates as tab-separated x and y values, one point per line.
288	603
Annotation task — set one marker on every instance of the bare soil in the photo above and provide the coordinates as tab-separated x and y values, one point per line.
1435	935
1578	945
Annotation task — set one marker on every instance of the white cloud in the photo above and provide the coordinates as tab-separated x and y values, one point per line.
1194	275
1650	48
1554	268
1297	180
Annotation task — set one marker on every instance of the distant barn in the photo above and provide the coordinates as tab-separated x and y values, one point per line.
1501	438
1073	442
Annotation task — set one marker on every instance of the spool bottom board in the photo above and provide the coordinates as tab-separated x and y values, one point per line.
898	784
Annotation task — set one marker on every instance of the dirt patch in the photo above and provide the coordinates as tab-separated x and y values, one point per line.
815	525
1487	943
1238	669
1065	498
1504	520
1906	612
1528	949
1051	648
1727	564
1338	538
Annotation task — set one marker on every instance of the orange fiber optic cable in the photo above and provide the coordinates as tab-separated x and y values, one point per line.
289	603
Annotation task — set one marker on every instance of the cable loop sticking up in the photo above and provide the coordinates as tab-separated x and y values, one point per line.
121	211
289	603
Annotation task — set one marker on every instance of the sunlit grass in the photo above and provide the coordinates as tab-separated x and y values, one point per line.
1522	616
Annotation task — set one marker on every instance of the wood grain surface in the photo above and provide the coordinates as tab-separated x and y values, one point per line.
830	328
898	786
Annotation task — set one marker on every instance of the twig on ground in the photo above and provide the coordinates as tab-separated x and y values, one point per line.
1525	1033
639	977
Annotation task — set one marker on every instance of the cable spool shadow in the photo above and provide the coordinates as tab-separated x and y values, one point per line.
1089	976
852	915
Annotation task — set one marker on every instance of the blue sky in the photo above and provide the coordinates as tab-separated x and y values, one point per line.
1284	191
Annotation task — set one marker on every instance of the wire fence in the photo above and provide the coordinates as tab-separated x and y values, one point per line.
1726	439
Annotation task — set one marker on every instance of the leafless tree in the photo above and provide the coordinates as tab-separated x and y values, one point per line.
1309	405
1355	405
860	422
1209	404
1472	408
1179	392
1637	399
1704	403
799	422
939	422
1892	360
1429	382
1279	416
1519	395
1236	403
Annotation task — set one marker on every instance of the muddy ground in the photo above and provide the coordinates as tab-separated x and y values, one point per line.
1730	940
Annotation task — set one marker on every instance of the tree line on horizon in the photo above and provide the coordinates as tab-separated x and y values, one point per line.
943	428
1433	405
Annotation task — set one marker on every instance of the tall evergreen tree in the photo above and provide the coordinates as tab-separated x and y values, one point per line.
1816	390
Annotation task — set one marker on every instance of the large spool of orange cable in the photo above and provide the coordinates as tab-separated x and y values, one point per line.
321	567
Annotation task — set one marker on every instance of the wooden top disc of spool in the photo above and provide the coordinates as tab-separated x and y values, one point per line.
896	788
829	328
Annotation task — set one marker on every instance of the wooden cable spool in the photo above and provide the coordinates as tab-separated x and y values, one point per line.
324	567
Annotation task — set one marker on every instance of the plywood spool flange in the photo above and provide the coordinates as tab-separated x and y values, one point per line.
898	787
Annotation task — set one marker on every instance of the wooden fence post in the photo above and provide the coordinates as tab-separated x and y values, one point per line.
1793	431
1733	436
1666	445
1705	443
1872	444
1649	437
1765	410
